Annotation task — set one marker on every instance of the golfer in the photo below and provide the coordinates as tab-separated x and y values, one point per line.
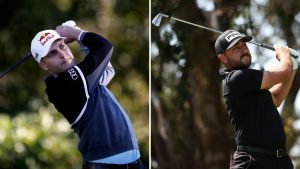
251	97
79	92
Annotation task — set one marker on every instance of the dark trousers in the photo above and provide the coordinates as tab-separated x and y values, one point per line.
250	160
134	165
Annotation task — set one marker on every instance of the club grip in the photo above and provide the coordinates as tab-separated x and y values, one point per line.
294	53
267	47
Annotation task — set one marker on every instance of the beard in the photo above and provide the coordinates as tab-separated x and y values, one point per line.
245	60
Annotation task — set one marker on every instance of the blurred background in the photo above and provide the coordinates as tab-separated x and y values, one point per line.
190	125
33	135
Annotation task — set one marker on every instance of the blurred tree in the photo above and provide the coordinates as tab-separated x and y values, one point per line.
190	125
37	140
22	92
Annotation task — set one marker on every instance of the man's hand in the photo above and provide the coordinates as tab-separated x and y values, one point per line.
282	52
69	30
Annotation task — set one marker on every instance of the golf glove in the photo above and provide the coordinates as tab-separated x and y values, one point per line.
293	52
72	23
295	63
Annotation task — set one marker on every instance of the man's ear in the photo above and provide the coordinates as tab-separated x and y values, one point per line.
223	58
43	66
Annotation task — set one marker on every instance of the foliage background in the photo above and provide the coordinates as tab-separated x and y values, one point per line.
33	134
190	125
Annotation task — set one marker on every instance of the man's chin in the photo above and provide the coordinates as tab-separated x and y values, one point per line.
243	65
246	64
68	66
246	60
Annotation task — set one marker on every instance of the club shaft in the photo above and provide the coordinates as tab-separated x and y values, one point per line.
262	45
15	65
213	30
190	23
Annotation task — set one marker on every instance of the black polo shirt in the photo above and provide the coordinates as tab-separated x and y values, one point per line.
255	118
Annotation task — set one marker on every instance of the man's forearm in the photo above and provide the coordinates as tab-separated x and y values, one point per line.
281	90
279	74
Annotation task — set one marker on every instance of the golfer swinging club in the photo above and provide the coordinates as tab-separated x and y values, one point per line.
79	92
251	98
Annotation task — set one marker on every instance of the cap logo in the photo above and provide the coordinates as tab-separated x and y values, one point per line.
45	38
232	36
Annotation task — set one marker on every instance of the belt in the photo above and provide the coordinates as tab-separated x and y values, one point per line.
278	153
134	165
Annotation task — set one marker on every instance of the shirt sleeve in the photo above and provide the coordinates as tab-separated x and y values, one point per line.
243	81
107	75
99	51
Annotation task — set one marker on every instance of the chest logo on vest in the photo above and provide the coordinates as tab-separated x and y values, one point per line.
73	74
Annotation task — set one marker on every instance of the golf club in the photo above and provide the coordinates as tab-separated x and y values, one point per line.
16	64
157	20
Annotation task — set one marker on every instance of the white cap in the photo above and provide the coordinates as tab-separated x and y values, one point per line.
42	42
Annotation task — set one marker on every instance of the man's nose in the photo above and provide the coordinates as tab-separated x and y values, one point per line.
245	49
60	53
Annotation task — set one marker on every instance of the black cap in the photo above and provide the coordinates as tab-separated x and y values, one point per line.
228	39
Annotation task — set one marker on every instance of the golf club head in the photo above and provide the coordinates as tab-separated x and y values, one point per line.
157	19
